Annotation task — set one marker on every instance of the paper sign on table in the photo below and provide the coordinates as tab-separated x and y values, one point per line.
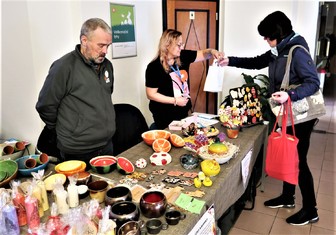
189	203
245	167
207	224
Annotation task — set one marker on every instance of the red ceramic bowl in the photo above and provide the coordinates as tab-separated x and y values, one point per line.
153	204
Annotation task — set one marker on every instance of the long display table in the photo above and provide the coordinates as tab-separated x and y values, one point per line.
227	186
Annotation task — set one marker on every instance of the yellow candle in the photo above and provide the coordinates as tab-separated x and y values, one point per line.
38	195
45	202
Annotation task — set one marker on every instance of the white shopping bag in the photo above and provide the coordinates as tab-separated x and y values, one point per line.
214	79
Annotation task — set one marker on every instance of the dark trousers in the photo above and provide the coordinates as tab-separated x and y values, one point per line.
86	157
303	132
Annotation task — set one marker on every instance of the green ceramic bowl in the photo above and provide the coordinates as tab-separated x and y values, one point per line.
11	168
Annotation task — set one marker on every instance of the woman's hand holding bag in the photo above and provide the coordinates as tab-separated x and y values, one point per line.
282	160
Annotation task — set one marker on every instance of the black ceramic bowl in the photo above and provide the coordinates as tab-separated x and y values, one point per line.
123	212
189	161
154	226
117	194
174	216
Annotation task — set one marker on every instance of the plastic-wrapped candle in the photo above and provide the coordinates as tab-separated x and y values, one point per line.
73	191
19	202
44	197
32	210
9	216
61	197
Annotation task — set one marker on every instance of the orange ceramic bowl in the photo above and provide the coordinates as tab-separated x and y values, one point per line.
149	136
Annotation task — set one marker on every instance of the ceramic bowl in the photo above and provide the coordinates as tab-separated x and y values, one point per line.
70	167
83	178
83	191
154	226
189	161
52	179
131	227
174	216
153	204
123	212
98	190
210	167
117	194
125	166
10	167
149	136
27	172
204	154
103	164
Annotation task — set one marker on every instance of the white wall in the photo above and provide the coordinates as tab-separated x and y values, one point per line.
241	37
35	33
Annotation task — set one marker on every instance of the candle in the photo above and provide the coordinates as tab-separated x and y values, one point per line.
37	193
73	195
44	196
33	219
112	226
18	202
61	201
11	220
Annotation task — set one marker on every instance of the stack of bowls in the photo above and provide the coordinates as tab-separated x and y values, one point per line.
70	167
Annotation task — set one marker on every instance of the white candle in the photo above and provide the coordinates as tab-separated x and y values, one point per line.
73	195
61	201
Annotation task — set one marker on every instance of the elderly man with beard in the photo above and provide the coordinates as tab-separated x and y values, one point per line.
75	101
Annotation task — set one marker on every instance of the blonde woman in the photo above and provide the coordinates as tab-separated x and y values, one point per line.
167	85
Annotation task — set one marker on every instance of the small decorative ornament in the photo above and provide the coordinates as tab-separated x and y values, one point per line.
141	163
171	180
198	193
159	172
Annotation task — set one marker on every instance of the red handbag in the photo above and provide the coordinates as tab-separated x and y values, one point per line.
282	159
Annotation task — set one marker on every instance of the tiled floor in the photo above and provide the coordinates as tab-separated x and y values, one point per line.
322	162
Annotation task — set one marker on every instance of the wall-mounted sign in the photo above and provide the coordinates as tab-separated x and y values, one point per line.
123	30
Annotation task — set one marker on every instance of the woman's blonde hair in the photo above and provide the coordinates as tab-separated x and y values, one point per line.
168	37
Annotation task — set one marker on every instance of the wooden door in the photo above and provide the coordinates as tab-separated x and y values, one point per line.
197	20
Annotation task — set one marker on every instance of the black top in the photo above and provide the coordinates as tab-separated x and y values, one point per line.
169	84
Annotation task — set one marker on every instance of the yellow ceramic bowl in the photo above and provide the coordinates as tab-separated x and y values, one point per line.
210	167
51	180
70	172
71	165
